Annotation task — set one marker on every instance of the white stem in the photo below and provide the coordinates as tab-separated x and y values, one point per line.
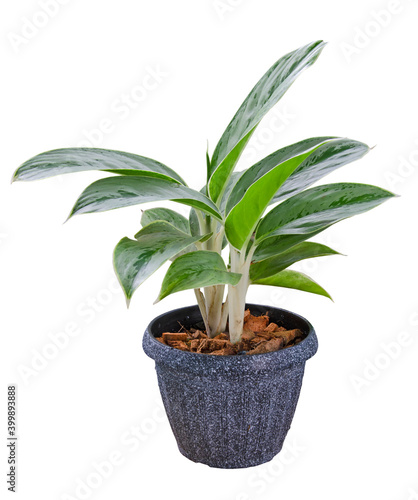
202	306
213	294
201	220
218	240
224	317
238	293
214	297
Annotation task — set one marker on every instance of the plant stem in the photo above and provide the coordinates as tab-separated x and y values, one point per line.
213	295
238	293
201	219
202	306
224	317
214	298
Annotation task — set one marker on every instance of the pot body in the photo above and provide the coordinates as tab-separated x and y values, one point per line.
229	411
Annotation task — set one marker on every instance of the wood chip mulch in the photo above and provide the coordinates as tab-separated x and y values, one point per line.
259	336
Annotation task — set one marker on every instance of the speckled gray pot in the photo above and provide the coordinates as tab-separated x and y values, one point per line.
229	411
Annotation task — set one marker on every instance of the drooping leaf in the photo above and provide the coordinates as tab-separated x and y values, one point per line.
317	208
70	160
261	168
281	261
295	280
196	270
266	93
165	214
323	161
135	260
120	191
244	217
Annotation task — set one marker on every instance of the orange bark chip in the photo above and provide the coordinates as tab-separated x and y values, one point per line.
167	336
270	346
272	327
178	344
256	323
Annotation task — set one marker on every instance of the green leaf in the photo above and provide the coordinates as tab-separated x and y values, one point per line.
208	167
165	214
190	248
120	191
230	188
70	160
317	208
254	173
242	220
295	280
266	93
135	260
278	244
196	270
194	226
220	176
323	161
279	262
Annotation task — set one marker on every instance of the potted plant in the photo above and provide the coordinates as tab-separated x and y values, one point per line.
230	377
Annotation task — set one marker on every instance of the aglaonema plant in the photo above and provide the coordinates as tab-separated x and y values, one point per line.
232	210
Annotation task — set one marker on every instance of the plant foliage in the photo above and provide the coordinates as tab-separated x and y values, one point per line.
231	210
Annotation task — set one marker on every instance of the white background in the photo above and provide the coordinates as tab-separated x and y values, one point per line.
355	429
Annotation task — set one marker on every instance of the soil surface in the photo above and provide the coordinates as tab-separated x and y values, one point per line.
259	336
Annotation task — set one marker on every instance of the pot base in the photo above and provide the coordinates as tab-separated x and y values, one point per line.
237	465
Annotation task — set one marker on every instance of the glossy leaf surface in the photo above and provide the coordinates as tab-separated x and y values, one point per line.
266	93
165	214
317	208
135	260
332	153
196	270
277	263
323	161
278	244
244	217
70	160
120	191
295	280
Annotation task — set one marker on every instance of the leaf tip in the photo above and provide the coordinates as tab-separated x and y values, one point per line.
15	177
70	215
320	45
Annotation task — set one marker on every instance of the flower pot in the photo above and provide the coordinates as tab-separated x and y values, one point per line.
229	411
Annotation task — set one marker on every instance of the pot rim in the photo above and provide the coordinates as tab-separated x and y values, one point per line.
203	364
